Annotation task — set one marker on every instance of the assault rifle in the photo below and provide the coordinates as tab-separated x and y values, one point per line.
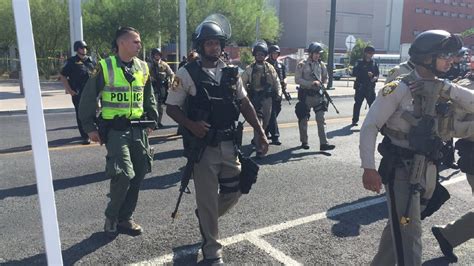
285	93
324	92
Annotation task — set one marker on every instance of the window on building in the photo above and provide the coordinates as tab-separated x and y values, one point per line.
454	15
469	17
446	13
447	2
462	4
462	15
469	5
437	13
418	10
437	1
455	3
427	11
416	32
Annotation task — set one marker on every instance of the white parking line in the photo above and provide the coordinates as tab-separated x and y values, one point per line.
254	236
275	253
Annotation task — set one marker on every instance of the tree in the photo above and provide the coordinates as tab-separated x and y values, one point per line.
358	51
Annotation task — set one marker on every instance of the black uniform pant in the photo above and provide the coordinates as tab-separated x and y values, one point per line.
272	128
367	93
75	101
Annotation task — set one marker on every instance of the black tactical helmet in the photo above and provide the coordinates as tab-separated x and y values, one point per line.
79	44
369	49
433	42
315	47
274	49
155	51
260	46
205	31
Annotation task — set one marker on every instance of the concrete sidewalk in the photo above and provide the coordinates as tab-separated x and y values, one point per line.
56	100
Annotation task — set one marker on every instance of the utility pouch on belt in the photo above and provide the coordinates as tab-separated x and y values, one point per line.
248	173
387	164
104	127
466	156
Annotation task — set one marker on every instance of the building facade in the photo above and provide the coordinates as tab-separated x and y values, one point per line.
386	24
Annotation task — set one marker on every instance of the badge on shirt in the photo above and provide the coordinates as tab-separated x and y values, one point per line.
389	88
176	83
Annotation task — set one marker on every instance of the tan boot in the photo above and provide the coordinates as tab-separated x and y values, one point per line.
131	227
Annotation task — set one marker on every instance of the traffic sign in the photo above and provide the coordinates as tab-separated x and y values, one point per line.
350	42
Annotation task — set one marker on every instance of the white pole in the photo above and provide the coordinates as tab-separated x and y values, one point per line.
24	31
75	23
182	31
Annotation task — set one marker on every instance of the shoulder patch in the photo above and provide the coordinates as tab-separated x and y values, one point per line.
389	87
391	71
176	83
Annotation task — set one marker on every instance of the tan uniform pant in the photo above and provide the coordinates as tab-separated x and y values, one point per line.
313	101
264	118
159	106
218	165
461	230
410	233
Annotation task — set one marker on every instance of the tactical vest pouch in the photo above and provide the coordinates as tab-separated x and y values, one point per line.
248	174
423	140
466	156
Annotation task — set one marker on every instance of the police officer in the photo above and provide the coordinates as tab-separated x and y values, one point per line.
460	230
161	76
272	128
198	88
74	76
366	72
263	85
406	111
455	73
123	84
311	74
402	69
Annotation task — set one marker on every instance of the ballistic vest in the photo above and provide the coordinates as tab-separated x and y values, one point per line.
215	103
119	96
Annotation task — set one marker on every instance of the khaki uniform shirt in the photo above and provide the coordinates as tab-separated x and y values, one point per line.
402	69
163	69
387	110
463	124
183	85
304	76
253	76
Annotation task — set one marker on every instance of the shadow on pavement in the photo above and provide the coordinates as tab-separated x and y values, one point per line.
60	184
349	223
287	155
162	182
345	131
72	254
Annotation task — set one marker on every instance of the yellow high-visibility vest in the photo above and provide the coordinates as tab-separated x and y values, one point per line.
119	97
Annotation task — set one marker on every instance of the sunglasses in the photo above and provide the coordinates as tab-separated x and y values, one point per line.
446	56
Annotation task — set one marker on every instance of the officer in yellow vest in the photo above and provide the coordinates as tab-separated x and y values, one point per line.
122	81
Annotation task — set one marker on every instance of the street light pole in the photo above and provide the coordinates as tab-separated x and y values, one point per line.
332	30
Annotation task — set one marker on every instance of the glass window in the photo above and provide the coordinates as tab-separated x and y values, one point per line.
455	3
418	10
454	15
446	13
462	16
437	1
416	32
469	17
469	5
437	13
462	4
447	1
427	11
